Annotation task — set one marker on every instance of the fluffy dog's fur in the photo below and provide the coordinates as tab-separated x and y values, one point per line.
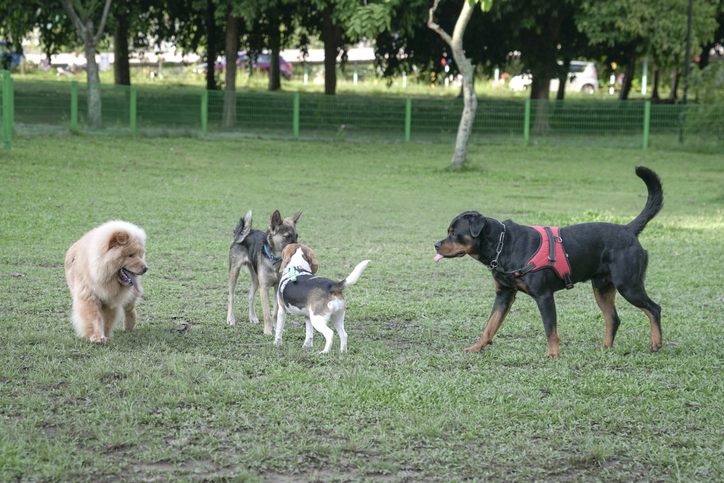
260	254
102	270
318	299
608	254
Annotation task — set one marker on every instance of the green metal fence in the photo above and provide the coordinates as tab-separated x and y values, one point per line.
6	108
56	107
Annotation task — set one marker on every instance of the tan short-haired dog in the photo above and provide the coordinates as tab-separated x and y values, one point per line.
260	254
319	299
102	270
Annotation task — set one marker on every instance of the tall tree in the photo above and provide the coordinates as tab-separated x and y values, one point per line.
84	18
465	66
630	28
232	48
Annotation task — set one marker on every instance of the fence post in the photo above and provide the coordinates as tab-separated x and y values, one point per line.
647	123
8	109
526	125
74	105
204	112
295	120
133	110
408	119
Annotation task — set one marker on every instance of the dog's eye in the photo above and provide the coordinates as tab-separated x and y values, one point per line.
131	255
452	233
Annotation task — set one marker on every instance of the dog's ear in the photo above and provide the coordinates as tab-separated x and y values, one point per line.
314	266
477	223
275	222
294	218
119	239
287	255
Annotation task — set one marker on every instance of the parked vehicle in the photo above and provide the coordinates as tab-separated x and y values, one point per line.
582	77
8	58
520	82
262	62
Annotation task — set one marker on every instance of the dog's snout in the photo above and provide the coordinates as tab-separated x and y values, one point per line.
438	245
144	270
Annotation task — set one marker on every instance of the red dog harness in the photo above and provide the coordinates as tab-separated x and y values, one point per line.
550	254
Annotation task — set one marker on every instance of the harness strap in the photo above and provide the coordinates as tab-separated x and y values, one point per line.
540	259
551	245
290	275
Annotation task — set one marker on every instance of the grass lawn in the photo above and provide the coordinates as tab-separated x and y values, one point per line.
187	397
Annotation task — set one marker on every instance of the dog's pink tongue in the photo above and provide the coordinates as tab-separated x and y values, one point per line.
135	282
438	257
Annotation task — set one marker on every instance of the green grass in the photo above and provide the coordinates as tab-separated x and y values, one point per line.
186	397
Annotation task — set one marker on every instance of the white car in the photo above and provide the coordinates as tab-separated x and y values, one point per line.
520	82
583	77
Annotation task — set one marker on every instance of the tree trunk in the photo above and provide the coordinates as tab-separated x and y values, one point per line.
232	52
210	46
465	128
95	119
275	82
563	79
332	37
674	84
655	86
628	74
562	87
540	92
705	55
85	31
121	65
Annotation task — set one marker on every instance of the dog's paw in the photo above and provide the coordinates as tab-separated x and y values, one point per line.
277	342
254	320
308	343
98	339
231	321
470	350
129	326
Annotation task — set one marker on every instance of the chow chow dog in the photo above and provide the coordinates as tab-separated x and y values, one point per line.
103	270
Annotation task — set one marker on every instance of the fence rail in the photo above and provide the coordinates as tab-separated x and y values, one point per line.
56	107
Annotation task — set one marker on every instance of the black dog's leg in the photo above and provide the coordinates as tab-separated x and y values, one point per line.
628	277
547	307
504	298
605	294
638	298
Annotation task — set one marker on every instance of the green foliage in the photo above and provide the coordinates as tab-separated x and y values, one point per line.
369	21
707	84
657	28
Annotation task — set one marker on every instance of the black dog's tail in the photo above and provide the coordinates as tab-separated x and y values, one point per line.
243	228
654	202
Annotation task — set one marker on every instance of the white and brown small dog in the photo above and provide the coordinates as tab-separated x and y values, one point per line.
319	299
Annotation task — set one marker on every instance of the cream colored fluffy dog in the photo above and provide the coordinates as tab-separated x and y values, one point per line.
102	270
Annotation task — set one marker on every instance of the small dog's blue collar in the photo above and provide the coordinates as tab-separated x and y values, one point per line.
271	257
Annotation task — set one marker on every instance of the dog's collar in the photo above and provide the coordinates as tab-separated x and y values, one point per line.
271	257
498	249
291	272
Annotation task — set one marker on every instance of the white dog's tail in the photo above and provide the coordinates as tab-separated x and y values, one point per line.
352	277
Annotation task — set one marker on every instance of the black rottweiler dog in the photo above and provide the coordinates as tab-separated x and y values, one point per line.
540	261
